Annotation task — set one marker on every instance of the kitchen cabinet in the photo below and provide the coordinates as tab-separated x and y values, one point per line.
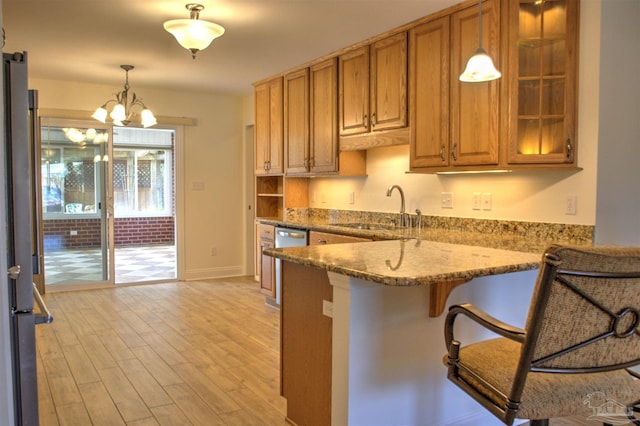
373	86
296	121
266	239
311	129
274	194
542	41
454	125
269	140
321	238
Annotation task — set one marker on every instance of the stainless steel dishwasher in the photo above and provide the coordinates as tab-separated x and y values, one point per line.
287	237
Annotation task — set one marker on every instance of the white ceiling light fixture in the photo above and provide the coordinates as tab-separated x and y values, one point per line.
480	66
122	112
194	34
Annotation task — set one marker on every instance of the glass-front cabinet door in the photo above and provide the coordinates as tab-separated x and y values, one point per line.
73	176
543	81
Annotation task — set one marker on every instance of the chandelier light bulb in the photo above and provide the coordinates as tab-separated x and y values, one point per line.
118	113
100	114
147	118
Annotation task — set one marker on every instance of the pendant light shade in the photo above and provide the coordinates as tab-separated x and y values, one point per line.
194	34
480	66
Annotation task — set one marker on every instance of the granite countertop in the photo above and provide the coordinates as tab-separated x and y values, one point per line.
443	253
410	261
492	234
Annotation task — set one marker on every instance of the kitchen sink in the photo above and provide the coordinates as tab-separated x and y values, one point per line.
367	226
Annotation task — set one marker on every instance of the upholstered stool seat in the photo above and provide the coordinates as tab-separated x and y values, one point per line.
545	394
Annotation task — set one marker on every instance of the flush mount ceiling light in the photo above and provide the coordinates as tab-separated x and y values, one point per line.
480	66
122	112
194	34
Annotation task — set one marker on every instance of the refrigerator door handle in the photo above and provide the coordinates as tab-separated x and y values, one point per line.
14	272
44	317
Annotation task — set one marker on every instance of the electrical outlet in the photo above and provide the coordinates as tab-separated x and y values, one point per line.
572	204
352	197
214	251
486	201
476	201
446	199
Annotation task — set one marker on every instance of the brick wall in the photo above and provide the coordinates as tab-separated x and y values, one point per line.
138	231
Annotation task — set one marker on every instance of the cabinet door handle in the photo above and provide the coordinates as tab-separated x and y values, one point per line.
373	120
454	157
321	241
569	150
264	166
442	157
364	120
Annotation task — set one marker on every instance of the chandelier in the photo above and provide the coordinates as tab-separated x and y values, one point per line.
122	112
194	34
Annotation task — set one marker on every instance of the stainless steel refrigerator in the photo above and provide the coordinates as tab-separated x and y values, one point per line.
20	246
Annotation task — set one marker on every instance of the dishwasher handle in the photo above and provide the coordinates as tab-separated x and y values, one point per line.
290	234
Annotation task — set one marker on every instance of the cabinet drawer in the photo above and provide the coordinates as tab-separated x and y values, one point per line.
266	232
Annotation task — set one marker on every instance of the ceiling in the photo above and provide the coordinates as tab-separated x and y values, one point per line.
87	40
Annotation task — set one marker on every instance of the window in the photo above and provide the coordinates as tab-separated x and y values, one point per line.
142	172
70	157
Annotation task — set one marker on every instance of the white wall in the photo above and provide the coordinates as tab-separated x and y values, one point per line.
213	154
528	196
618	206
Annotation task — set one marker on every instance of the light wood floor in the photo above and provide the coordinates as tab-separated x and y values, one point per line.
200	353
169	354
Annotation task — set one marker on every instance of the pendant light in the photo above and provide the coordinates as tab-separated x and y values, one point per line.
194	34
122	112
480	66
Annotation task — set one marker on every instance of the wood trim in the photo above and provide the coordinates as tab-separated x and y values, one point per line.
77	114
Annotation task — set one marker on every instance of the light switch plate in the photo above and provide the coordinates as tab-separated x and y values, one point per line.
486	201
446	198
476	203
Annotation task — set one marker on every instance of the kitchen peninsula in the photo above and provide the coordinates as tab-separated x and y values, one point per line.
362	326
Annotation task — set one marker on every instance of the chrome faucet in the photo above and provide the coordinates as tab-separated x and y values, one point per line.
403	216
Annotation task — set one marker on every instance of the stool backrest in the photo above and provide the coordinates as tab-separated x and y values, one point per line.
585	311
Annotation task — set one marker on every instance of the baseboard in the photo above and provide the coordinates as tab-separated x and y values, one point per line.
210	273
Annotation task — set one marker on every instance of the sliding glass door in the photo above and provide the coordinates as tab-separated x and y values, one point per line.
73	175
108	204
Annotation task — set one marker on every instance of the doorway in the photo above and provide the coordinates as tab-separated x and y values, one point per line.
108	204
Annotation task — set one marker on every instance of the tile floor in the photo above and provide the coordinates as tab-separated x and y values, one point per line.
132	264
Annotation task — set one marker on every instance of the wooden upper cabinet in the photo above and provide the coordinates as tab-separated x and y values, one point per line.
296	121
269	140
542	48
354	91
388	103
454	125
324	116
429	73
475	108
373	86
